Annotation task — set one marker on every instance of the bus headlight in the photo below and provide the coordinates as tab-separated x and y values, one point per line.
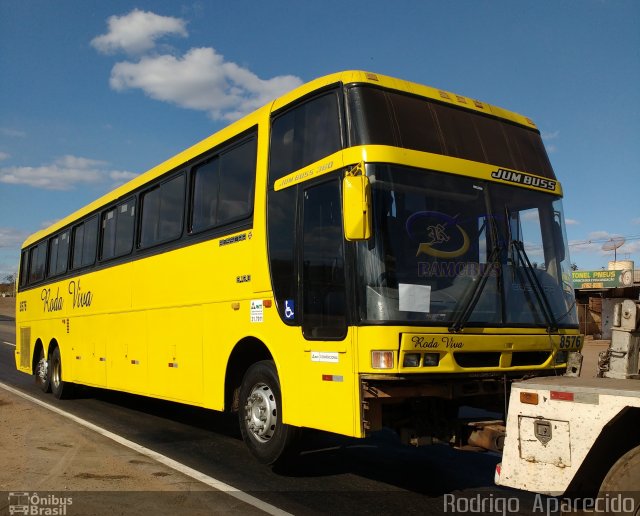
431	359
411	360
382	359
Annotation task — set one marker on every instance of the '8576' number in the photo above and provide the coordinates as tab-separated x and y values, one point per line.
570	341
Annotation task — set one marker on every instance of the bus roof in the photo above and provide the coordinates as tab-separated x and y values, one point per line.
248	121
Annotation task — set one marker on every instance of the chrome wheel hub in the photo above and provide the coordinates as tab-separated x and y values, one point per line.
261	412
42	369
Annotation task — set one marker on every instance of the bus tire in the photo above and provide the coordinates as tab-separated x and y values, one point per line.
43	372
624	478
60	388
260	414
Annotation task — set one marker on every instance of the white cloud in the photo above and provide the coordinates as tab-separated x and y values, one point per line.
635	221
549	136
63	174
137	32
4	155
10	237
14	133
571	222
120	177
201	80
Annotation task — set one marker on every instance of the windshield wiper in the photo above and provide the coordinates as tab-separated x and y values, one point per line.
543	300
471	300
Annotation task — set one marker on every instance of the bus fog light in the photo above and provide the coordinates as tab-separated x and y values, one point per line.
431	359
382	359
561	357
411	360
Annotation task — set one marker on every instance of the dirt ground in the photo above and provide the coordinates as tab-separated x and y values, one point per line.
8	306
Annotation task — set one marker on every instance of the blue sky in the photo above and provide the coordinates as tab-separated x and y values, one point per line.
94	92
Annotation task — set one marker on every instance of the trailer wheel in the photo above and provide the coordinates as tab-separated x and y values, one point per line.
260	415
60	388
624	478
43	376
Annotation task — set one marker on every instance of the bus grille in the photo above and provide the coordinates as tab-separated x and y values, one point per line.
529	358
25	347
478	359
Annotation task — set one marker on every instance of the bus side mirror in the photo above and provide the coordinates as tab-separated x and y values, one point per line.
356	207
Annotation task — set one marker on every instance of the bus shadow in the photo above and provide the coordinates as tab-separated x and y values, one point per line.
429	470
194	417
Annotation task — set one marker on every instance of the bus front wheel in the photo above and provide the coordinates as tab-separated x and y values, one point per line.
260	414
60	388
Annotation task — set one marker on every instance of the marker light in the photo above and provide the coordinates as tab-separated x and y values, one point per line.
530	398
382	359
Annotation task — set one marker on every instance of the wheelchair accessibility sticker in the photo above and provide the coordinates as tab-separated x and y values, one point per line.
289	312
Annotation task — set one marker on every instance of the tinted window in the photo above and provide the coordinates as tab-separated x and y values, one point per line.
382	117
58	253
24	268
206	180
223	187
323	274
85	237
282	224
117	230
162	212
37	262
237	171
304	134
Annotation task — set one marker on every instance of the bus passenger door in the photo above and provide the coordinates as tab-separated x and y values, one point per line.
323	274
327	361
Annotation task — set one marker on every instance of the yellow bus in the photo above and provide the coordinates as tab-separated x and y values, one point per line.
363	252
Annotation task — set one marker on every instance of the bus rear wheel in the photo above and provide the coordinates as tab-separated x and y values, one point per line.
43	377
60	388
267	437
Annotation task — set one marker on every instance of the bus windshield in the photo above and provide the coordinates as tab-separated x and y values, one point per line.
443	244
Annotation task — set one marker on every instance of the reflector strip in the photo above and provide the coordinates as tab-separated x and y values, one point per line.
561	396
530	398
332	378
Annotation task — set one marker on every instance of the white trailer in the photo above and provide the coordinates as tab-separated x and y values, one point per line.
580	437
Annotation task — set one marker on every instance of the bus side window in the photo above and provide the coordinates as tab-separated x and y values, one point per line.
58	253
37	262
222	188
24	268
162	212
117	230
237	174
85	239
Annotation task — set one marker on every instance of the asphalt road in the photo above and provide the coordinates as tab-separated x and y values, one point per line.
333	474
